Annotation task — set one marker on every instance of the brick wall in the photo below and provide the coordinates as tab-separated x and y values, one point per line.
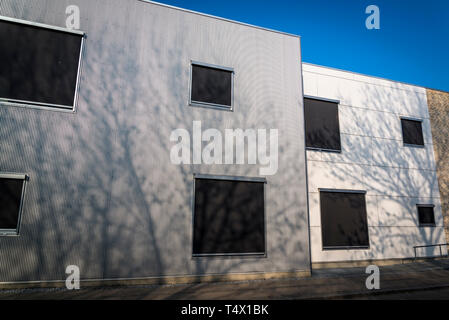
438	103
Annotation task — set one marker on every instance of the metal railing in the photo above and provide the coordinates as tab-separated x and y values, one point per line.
432	245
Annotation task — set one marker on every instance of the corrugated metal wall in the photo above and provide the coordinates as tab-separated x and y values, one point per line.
103	193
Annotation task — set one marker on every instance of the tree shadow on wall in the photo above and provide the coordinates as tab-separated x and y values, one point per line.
103	194
396	177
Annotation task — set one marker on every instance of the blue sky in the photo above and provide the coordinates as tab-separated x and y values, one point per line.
412	44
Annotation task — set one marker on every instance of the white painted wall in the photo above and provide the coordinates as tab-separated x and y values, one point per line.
373	158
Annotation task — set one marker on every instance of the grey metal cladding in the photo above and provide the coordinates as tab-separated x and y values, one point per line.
104	194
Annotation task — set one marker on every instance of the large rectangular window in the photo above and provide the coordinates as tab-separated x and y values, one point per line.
229	216
211	86
426	215
11	198
343	220
412	132
38	64
322	125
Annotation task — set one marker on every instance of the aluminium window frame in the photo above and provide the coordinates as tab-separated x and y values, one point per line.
19	176
410	145
230	178
426	225
216	106
334	248
43	105
338	116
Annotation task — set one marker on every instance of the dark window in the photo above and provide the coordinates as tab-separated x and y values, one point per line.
211	86
10	200
426	216
38	65
321	124
228	217
343	220
412	132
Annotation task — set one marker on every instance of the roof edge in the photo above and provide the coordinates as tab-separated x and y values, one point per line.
375	77
219	18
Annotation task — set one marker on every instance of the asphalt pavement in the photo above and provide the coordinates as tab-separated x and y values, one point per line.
420	280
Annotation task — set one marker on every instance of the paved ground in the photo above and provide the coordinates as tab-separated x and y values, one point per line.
426	280
432	294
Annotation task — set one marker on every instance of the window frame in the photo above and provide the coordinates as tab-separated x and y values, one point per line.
216	106
424	225
43	105
422	133
338	118
25	178
333	248
229	178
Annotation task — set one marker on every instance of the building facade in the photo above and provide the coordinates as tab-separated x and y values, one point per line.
374	158
101	190
120	139
438	102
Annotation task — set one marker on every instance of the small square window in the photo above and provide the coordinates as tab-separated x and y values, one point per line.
412	132
344	223
11	198
39	64
211	86
426	215
229	217
321	125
